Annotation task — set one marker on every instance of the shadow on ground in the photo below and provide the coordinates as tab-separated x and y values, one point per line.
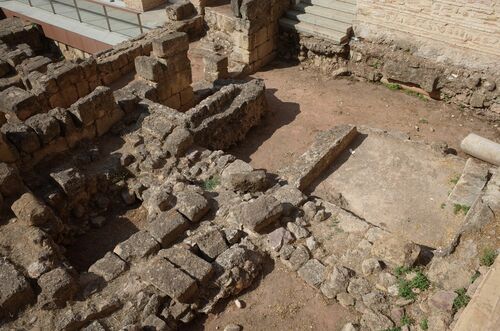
280	114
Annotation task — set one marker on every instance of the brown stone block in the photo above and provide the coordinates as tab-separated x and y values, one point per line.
170	44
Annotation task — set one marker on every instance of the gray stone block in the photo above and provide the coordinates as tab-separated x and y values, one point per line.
259	213
109	267
313	272
138	246
193	265
15	290
169	280
167	227
192	205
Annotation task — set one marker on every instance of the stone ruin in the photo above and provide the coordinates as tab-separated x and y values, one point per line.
76	151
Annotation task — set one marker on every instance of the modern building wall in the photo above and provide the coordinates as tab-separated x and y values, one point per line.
462	32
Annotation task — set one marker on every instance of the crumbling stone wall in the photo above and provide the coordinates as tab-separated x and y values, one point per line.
251	31
461	32
225	118
44	134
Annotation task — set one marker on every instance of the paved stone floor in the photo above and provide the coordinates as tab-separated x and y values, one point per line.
398	185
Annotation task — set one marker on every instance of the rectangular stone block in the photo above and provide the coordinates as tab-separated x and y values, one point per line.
15	290
140	245
170	280
167	227
109	267
18	103
193	265
170	44
149	68
22	137
326	148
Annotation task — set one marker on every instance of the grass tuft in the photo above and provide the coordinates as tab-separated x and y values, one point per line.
416	94
458	208
461	300
407	320
454	179
211	183
406	288
424	324
488	257
392	86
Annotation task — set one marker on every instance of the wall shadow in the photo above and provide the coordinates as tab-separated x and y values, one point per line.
280	114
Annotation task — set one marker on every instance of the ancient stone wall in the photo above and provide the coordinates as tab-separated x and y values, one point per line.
252	33
461	32
44	134
225	118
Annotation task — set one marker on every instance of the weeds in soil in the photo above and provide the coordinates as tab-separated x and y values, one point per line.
407	288
396	328
454	179
475	276
416	94
458	208
211	183
461	300
443	205
424	324
488	257
392	86
423	121
407	320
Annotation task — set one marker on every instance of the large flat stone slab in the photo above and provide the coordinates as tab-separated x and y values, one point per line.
399	185
325	149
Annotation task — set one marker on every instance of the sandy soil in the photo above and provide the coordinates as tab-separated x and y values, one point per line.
280	301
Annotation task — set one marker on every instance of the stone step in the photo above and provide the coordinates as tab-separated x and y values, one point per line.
483	311
347	6
323	152
314	30
329	13
470	184
319	21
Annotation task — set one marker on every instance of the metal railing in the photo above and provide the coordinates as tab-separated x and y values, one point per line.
86	12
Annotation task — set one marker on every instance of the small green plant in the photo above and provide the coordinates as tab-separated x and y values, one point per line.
406	288
423	121
407	320
396	328
392	86
475	276
211	183
424	324
402	270
488	257
461	300
416	94
458	208
443	205
454	179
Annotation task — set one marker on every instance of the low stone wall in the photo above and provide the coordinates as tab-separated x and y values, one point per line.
478	89
252	33
225	118
472	88
45	134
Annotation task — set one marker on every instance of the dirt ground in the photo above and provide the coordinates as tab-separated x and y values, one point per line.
303	102
279	301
